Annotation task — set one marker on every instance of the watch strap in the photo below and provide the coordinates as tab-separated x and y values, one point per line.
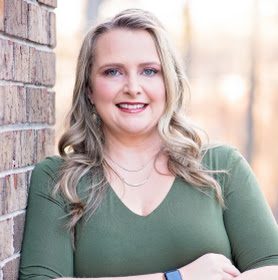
173	275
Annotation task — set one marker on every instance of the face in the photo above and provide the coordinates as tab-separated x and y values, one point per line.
127	83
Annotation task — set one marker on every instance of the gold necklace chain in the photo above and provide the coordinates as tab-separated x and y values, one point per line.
131	184
131	170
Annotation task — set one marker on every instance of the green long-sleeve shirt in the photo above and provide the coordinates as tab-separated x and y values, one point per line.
186	225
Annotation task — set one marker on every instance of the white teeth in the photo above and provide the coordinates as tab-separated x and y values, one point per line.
131	106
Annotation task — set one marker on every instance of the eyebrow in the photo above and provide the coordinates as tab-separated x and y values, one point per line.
122	65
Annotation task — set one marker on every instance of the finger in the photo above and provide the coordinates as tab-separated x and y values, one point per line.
222	258
232	270
227	276
225	259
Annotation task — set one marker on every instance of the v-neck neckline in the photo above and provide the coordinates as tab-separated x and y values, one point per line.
156	209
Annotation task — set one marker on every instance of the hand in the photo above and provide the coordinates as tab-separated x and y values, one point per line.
210	267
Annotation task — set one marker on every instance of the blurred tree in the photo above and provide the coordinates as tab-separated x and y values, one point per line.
187	30
253	82
92	12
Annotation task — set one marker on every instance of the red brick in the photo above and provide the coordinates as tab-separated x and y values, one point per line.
26	64
50	142
28	177
52	29
51	107
38	105
29	65
17	149
13	102
10	270
6	60
42	67
27	20
21	59
2	15
20	105
6	150
16	14
2	104
14	61
13	193
45	143
18	232
38	24
24	148
6	239
52	3
48	67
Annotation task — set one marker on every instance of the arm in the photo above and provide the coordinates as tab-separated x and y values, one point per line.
46	250
250	225
266	272
209	267
154	276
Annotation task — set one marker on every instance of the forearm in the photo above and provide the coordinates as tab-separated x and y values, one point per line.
154	276
262	273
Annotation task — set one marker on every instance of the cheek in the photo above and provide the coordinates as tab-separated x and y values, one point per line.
104	91
158	91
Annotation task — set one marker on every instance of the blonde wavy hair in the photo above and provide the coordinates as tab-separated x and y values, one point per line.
81	146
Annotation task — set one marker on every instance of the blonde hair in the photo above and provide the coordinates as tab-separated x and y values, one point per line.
81	146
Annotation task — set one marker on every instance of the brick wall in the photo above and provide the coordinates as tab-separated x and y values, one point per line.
27	112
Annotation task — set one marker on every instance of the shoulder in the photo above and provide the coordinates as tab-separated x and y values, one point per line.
44	177
46	173
220	157
50	166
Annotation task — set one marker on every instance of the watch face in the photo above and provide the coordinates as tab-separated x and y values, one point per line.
173	275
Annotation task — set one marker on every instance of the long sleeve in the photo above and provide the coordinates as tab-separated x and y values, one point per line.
251	227
46	251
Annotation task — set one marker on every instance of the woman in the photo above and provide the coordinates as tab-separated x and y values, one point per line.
140	194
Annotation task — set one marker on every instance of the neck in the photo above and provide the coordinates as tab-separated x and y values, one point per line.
138	149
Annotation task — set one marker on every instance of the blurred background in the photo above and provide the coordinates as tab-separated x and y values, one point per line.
230	51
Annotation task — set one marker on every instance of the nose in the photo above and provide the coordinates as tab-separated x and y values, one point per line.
132	86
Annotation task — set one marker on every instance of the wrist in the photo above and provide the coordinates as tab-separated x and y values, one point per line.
182	273
173	275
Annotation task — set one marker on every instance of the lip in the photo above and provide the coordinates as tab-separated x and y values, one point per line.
130	107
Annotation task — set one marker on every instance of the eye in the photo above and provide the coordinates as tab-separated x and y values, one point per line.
149	71
112	72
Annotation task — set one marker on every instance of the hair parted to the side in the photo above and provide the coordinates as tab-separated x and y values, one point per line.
81	146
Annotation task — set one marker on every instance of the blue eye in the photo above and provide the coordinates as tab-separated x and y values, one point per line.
150	71
111	72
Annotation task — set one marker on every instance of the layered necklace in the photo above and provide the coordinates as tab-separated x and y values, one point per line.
140	169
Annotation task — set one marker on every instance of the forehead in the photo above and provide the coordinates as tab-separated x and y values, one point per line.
123	45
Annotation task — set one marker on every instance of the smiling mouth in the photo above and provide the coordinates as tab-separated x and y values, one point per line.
132	107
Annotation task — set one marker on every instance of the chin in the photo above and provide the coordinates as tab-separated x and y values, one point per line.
140	131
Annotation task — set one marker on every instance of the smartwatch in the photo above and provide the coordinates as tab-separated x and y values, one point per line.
173	275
